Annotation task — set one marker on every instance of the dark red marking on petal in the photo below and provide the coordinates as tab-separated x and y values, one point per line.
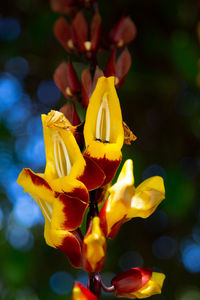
109	167
71	247
102	216
93	176
103	222
74	210
131	280
37	180
80	193
116	227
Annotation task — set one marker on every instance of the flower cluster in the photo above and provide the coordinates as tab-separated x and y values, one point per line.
73	181
82	160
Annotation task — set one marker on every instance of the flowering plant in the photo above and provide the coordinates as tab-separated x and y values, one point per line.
82	159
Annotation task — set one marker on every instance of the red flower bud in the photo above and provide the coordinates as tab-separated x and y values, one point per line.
66	79
131	280
64	34
60	7
138	283
88	85
120	68
123	32
85	42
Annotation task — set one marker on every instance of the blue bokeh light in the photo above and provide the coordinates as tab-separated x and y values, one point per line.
131	259
1	218
17	66
31	151
15	119
34	126
61	283
10	91
27	212
164	247
191	258
20	238
154	170
82	277
48	93
9	29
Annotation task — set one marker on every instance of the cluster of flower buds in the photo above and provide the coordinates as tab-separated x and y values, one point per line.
85	39
76	181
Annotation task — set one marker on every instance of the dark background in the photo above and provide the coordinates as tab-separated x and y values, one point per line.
160	102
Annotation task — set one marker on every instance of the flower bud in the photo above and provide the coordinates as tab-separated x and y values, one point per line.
138	283
123	32
67	80
94	247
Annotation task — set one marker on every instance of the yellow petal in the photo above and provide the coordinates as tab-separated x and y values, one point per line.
148	196
153	286
125	178
121	193
63	156
103	130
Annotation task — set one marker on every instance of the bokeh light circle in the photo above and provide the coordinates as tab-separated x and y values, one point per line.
191	258
48	93
61	283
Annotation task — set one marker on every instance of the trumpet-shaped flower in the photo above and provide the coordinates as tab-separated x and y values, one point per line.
60	191
103	130
80	292
138	283
94	247
126	202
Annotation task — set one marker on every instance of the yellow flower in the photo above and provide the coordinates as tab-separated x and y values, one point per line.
103	130
59	192
126	202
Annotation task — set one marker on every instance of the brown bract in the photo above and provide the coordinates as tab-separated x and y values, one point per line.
118	68
88	84
67	80
123	32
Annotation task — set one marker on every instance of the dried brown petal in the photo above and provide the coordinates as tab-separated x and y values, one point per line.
128	135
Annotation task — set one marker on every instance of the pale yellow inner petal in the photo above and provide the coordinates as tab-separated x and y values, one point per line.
61	156
103	121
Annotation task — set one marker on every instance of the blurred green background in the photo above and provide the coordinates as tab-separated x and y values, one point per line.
160	102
